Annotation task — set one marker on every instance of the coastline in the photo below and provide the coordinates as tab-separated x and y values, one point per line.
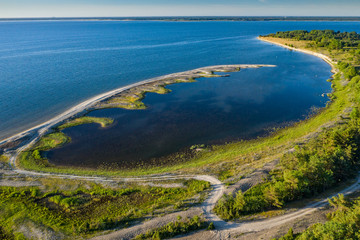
319	55
42	128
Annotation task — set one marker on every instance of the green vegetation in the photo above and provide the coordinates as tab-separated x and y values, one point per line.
344	223
132	98
323	162
173	229
4	159
104	122
51	141
88	208
343	46
33	158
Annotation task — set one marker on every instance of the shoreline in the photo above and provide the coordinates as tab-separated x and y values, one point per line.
44	127
325	58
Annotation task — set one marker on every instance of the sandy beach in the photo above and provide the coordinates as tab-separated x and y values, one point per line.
319	55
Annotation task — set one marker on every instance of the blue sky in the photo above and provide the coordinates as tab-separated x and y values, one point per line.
103	8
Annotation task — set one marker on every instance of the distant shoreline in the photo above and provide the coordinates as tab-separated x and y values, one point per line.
188	19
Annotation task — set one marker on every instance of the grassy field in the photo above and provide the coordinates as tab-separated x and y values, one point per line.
4	159
173	229
70	208
132	98
104	122
34	158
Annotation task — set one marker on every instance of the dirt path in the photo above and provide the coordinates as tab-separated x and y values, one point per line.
229	230
224	230
205	208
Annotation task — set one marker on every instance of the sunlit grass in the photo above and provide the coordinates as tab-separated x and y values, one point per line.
104	122
88	208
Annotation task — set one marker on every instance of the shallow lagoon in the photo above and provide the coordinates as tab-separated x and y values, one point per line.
210	111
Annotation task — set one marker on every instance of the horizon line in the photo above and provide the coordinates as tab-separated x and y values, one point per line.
175	17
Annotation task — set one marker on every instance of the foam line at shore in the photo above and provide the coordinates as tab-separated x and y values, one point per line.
44	127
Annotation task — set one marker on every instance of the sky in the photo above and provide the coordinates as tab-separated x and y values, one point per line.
128	8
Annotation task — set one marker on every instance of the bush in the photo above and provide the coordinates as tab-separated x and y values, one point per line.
344	223
175	228
211	226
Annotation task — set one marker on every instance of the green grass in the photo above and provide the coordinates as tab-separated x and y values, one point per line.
175	228
4	159
89	208
34	159
51	141
132	99
104	122
343	222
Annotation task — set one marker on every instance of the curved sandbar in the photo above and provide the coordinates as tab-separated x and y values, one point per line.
319	55
99	101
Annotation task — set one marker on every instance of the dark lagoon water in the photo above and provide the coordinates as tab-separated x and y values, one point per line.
47	67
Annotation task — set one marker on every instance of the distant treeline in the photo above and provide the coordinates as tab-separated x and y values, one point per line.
328	39
200	18
320	35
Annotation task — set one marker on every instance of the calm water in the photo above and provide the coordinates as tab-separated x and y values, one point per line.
47	67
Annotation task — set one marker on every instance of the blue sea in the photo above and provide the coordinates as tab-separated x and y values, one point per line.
47	67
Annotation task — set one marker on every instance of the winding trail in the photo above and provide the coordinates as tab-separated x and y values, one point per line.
224	230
